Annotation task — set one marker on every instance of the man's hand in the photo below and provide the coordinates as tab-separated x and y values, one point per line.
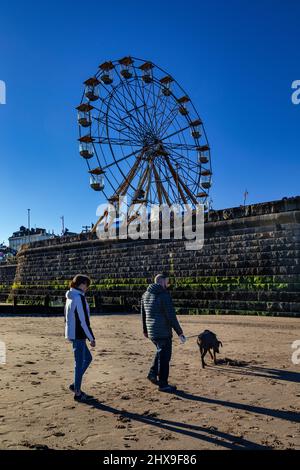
182	338
93	343
145	334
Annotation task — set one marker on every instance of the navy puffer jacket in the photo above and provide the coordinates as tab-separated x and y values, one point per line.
158	314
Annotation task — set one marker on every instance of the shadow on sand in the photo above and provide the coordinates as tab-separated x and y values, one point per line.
256	371
292	416
205	434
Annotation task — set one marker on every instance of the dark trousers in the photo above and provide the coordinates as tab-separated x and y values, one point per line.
161	363
83	359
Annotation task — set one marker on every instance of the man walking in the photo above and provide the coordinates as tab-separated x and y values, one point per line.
159	319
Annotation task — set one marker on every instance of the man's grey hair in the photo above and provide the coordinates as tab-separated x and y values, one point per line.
160	277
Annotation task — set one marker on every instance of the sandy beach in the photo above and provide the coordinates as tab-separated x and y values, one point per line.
250	400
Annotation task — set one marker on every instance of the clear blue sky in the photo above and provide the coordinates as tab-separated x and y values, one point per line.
236	59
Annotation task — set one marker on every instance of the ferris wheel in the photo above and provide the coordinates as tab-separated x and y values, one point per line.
142	137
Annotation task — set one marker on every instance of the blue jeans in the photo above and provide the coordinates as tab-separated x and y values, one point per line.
83	359
161	363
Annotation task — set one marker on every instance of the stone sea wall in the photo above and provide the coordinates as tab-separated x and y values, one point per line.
249	265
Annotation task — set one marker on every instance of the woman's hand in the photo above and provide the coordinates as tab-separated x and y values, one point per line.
93	343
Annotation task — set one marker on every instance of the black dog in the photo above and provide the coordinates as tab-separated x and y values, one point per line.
206	341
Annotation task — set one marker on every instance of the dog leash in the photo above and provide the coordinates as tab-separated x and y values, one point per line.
186	338
192	336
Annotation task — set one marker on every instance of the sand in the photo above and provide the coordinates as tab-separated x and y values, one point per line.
249	403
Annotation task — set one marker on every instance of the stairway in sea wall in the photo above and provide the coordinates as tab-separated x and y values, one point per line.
249	265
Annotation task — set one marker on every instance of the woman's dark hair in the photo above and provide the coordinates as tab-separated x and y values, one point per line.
80	279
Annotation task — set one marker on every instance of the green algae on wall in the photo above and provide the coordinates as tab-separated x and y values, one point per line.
194	283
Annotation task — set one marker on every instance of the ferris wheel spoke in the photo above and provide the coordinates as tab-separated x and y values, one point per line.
162	112
168	179
180	146
139	116
187	176
147	108
131	125
168	122
180	156
112	95
150	167
118	120
113	128
123	187
121	159
171	182
135	123
154	96
106	102
175	133
159	183
169	107
170	111
181	183
153	112
171	118
143	97
133	117
183	150
141	182
112	174
159	115
137	109
157	101
114	141
177	180
190	173
140	96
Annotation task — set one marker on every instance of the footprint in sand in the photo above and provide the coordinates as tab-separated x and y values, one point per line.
131	437
166	437
31	445
123	419
125	397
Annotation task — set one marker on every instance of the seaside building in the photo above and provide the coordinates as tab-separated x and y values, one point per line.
25	235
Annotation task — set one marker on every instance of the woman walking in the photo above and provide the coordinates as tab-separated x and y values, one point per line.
78	330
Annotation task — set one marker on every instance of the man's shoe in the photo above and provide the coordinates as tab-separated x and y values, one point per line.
152	379
72	387
167	388
83	397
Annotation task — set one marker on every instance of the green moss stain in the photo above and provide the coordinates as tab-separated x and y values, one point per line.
248	283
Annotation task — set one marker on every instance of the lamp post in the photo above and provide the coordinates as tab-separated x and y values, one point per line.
28	217
62	225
